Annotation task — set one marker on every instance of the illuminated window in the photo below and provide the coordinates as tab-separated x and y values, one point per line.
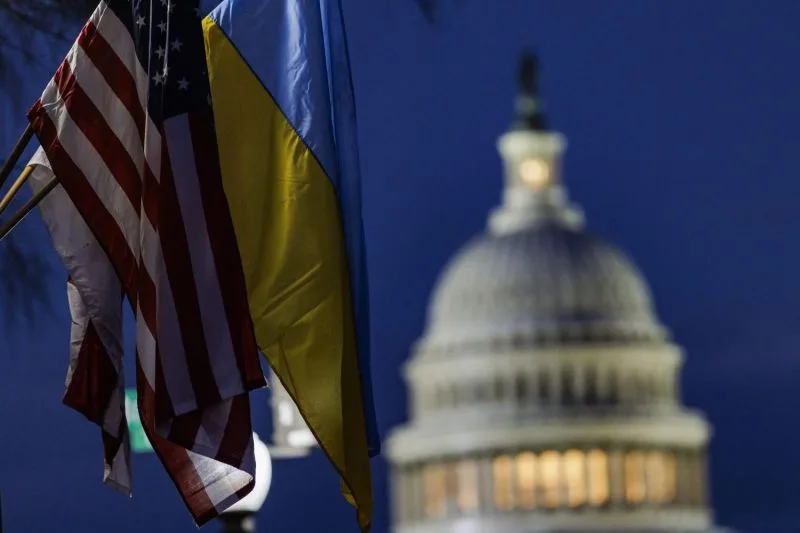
467	485
656	477
535	173
598	477
504	483
434	479
549	479
634	477
526	477
575	477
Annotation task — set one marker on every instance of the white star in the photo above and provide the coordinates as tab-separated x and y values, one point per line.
158	79
164	2
162	26
140	21
171	8
197	11
183	84
160	52
176	45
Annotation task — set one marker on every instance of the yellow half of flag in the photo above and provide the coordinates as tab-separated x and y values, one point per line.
285	118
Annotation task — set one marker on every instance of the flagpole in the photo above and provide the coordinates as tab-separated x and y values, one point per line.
17	185
16	153
29	206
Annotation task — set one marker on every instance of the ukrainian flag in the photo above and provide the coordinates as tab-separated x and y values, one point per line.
285	117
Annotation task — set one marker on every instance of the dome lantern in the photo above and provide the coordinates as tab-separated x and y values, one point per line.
532	156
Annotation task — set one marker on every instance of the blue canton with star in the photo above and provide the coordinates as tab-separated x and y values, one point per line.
171	48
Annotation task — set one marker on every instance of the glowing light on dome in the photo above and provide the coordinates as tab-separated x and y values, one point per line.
535	173
575	477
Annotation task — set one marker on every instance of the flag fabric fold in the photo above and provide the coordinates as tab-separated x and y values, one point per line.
285	114
126	126
95	377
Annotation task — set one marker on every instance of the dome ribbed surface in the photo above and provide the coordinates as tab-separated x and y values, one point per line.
544	284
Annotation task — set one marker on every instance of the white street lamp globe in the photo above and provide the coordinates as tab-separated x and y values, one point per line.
252	502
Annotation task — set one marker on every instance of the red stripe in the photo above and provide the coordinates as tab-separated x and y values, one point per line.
100	221
115	72
164	411
224	246
184	289
235	440
94	378
92	122
185	427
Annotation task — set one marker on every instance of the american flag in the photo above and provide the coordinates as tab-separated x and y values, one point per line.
127	128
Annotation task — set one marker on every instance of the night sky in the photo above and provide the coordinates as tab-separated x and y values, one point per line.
684	148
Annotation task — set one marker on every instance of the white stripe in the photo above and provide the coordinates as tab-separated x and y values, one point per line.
115	411
209	294
220	481
119	475
146	347
106	101
212	429
80	323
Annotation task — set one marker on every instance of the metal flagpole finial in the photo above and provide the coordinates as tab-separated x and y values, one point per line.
529	109
528	75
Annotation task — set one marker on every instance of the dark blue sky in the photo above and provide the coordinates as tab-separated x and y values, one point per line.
682	119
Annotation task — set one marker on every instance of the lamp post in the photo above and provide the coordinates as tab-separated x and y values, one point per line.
241	517
291	437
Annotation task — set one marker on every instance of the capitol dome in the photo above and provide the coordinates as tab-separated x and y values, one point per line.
544	392
549	283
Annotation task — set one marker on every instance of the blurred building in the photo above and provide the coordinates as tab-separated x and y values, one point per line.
544	392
